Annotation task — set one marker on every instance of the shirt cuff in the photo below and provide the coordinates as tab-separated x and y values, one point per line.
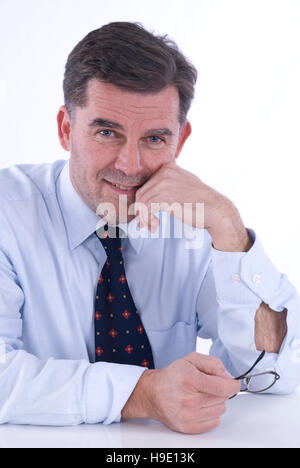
108	387
246	277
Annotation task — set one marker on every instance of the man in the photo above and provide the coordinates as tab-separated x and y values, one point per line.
100	327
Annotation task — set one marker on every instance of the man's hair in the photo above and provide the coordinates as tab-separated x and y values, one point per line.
131	58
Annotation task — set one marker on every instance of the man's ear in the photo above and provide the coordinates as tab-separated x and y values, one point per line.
64	128
184	134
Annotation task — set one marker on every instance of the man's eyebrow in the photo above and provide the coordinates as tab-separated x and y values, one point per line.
105	123
109	124
159	131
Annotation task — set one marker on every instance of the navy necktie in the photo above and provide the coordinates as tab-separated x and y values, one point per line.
119	333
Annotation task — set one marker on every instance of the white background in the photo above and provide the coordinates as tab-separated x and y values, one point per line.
245	117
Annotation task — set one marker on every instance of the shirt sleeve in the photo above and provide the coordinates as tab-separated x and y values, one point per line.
233	289
52	392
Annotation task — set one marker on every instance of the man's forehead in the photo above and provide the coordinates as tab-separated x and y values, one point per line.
107	97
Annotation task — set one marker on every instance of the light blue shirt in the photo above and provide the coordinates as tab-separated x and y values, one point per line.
50	262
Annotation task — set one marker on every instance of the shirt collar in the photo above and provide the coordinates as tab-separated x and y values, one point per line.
81	221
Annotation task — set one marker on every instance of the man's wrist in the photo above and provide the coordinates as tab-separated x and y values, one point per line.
230	235
139	404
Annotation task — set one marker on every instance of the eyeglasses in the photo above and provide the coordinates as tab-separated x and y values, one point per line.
258	382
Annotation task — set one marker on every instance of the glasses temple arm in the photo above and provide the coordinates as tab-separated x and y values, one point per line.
254	365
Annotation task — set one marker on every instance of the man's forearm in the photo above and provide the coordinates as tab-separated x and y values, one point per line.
230	235
270	329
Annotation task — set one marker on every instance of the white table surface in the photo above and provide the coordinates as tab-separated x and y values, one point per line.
250	421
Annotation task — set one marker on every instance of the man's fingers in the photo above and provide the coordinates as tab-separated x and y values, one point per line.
211	400
209	425
207	418
209	365
210	376
212	412
217	386
195	427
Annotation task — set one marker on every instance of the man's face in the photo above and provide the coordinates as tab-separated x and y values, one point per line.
121	138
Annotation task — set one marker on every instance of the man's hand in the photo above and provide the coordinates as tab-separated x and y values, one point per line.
172	185
188	396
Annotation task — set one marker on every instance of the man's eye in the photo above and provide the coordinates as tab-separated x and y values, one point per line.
155	139
106	133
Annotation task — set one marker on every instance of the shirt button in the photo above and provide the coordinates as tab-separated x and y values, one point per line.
256	279
236	278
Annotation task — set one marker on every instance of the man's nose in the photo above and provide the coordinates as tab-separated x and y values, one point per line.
129	159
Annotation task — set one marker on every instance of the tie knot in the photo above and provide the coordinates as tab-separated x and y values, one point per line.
110	238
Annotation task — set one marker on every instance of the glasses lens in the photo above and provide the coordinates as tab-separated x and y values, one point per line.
261	382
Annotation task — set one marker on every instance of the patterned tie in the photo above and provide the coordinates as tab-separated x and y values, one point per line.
119	333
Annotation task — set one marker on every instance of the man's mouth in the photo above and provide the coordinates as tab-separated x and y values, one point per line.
123	189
